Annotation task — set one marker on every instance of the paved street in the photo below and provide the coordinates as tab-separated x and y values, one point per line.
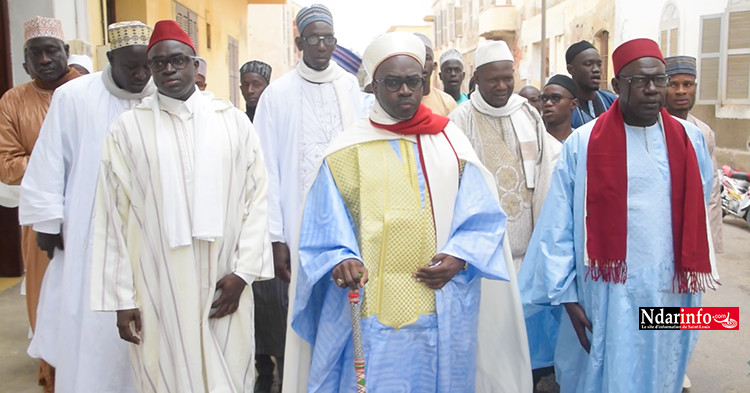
719	364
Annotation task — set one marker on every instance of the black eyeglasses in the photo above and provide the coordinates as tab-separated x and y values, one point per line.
555	98
639	81
314	40
179	62
393	83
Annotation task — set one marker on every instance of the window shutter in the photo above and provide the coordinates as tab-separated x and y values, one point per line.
188	21
709	59
459	22
673	34
233	54
438	29
738	56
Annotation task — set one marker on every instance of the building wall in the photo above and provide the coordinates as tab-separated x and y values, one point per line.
21	11
227	18
271	37
84	29
567	23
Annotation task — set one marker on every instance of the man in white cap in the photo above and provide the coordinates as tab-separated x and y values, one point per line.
82	63
22	111
296	118
437	100
200	74
402	208
57	198
452	74
509	137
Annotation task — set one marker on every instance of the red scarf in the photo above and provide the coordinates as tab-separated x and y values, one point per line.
607	204
424	122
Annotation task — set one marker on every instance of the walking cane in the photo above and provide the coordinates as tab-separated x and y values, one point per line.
359	357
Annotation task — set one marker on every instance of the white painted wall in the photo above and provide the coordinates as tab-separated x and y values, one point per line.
632	20
72	13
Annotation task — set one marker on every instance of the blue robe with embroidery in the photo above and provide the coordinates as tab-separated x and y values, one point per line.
437	353
622	357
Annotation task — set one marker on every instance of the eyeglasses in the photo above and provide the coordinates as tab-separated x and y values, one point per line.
314	40
393	83
639	81
179	62
555	98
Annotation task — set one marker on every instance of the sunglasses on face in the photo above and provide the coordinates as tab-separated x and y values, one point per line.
640	81
393	83
178	62
314	40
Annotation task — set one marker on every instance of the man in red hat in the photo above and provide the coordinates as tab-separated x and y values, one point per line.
623	227
181	229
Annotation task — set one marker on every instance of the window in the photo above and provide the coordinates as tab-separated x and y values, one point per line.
459	22
450	23
438	29
208	36
233	54
708	63
724	56
669	30
188	20
602	39
443	28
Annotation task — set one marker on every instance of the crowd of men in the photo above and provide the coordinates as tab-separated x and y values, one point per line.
491	238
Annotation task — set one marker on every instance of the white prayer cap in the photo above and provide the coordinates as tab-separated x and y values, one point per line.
451	54
83	61
491	52
425	39
128	33
392	44
41	26
202	66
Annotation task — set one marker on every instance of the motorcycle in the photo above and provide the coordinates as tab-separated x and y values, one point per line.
735	193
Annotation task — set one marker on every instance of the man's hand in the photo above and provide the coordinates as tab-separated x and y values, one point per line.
441	269
282	261
124	318
350	273
580	323
231	287
48	242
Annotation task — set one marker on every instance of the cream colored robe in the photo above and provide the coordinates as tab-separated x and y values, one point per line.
181	349
547	147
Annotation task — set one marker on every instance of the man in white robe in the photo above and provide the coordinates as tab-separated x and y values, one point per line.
297	117
58	198
510	139
403	199
181	229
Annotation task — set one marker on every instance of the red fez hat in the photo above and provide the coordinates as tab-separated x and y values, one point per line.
169	30
633	50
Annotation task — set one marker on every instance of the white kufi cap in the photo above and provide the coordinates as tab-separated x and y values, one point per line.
83	61
491	52
392	44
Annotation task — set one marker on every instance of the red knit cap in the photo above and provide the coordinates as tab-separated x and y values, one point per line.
633	50
169	30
